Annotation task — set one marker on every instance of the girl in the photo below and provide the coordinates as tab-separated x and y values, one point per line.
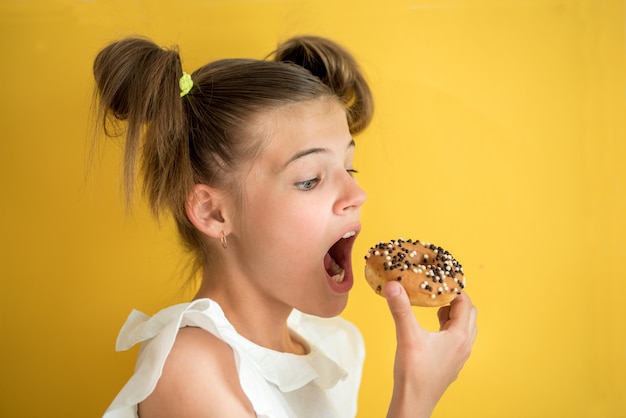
253	158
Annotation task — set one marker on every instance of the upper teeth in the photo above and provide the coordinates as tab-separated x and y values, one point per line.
349	234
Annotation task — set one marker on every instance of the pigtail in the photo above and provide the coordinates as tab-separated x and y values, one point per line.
337	69
137	87
182	132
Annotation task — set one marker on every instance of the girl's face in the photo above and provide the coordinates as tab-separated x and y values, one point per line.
301	208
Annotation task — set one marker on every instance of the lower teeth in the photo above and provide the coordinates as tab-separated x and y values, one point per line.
339	277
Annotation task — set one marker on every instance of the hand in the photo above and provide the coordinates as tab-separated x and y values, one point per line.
427	362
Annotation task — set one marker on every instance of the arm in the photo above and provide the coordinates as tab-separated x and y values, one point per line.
427	363
199	380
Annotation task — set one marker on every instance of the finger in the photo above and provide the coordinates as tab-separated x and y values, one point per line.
460	313
400	307
473	328
444	315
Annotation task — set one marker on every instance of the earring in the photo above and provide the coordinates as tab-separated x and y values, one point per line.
223	240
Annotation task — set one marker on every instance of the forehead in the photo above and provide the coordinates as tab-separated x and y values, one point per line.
291	128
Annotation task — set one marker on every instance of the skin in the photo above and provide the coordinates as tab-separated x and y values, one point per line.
299	198
426	363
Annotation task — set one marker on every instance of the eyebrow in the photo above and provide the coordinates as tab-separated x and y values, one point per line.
310	151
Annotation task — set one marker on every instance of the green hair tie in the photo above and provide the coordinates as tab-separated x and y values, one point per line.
185	83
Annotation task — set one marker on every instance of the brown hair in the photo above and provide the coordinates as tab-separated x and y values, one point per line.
200	137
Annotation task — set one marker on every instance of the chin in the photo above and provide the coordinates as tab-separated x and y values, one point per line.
329	309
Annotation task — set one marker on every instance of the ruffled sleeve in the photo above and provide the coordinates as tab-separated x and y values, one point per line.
158	334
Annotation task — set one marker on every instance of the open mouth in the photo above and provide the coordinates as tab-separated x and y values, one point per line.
337	260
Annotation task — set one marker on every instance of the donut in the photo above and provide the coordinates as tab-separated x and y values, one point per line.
430	275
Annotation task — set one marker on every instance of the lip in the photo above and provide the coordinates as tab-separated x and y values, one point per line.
346	260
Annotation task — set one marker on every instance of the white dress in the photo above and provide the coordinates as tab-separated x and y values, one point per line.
323	383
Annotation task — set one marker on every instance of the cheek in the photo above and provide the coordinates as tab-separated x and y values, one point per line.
293	226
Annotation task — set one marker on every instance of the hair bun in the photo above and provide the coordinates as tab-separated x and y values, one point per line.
337	69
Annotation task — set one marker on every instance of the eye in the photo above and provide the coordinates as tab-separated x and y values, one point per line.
351	171
307	185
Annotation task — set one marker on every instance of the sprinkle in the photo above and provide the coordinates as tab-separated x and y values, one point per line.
439	268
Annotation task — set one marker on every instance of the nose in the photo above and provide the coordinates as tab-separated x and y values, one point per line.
351	195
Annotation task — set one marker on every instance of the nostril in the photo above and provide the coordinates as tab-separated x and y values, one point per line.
357	197
352	197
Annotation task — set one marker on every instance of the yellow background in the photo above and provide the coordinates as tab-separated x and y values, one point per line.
499	134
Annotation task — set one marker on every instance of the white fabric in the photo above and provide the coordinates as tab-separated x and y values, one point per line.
323	383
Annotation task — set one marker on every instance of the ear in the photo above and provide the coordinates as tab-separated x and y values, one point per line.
205	207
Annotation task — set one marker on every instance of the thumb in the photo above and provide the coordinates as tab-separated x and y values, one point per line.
407	327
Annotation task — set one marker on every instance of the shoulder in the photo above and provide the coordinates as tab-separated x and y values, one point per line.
199	378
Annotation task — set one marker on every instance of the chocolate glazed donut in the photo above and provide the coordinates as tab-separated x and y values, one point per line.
430	275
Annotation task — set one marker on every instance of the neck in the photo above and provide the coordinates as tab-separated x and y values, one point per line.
254	318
